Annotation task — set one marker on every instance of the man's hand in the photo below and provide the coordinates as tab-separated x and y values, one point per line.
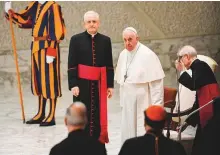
75	91
109	92
179	65
184	126
49	59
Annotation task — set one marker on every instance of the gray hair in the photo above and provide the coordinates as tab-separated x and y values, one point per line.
76	114
130	29
90	13
187	50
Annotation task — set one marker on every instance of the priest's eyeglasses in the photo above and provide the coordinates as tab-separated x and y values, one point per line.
179	58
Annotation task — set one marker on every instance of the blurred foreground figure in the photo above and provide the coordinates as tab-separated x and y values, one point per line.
153	142
78	142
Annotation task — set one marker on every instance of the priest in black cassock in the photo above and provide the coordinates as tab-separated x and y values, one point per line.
91	73
153	142
203	81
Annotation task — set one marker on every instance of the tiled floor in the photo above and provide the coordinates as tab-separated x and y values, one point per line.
17	138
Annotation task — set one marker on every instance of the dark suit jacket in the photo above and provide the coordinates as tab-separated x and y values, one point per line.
145	145
78	143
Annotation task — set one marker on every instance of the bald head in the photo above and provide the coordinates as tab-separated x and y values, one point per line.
76	114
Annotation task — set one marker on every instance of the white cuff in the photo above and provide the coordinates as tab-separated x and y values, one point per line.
7	6
49	59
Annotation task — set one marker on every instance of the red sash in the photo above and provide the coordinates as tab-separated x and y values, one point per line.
98	73
206	94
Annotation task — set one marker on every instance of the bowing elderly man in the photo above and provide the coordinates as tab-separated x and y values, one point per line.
140	75
204	82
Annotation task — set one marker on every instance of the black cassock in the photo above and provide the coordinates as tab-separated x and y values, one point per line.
90	51
146	145
211	133
78	142
203	81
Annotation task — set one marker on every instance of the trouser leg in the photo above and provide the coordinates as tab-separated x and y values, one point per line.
38	118
50	119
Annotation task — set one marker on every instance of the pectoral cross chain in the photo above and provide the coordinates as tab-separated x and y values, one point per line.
125	77
128	65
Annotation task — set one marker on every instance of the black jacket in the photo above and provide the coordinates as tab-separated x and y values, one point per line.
78	143
145	145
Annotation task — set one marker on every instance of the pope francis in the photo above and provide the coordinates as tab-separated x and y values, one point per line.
140	75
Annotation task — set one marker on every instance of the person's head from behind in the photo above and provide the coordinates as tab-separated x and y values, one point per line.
155	116
186	55
130	38
76	116
91	22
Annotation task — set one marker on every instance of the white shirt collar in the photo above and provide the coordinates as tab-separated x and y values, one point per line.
92	34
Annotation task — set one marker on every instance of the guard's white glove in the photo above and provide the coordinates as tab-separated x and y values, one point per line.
49	59
7	6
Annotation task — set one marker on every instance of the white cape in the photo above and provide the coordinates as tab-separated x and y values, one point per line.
145	67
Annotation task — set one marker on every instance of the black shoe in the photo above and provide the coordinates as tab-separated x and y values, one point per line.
48	123
32	121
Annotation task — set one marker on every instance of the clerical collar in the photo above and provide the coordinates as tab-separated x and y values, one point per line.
92	35
192	62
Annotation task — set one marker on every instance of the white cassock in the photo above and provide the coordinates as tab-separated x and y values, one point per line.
142	87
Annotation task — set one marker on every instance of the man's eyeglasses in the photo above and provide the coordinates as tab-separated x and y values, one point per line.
179	58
